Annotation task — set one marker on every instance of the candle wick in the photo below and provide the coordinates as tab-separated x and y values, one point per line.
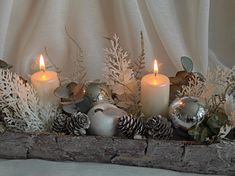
155	74
43	70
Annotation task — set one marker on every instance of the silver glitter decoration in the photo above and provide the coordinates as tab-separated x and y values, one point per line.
98	91
186	112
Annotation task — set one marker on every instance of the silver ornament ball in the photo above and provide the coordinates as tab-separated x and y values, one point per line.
98	91
186	112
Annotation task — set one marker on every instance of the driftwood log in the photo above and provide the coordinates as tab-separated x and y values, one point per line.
174	155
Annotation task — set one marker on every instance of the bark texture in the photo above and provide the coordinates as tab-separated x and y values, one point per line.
173	155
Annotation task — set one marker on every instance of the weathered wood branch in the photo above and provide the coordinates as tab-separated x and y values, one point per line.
173	155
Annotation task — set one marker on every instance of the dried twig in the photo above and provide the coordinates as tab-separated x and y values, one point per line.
119	74
78	70
139	64
51	61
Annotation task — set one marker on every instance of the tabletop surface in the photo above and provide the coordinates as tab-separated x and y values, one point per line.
37	167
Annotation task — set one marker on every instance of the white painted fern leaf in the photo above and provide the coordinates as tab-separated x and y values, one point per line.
19	103
194	88
119	74
21	106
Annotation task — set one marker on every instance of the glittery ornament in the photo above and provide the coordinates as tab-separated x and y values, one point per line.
97	91
186	112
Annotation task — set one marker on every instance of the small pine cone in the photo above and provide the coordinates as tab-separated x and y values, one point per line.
131	126
59	124
78	123
159	127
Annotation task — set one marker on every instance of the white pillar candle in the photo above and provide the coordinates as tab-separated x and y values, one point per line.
45	82
155	90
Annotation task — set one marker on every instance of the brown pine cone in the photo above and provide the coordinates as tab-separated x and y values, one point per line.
78	123
159	127
131	126
60	122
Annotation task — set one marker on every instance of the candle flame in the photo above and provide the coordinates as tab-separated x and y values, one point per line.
155	67
42	63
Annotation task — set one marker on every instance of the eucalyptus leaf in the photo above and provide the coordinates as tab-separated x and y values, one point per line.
200	133
62	92
83	105
5	65
205	133
195	132
216	121
187	63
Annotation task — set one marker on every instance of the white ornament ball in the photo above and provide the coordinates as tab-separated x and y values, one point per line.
104	118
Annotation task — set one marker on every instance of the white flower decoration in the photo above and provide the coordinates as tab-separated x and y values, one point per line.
229	105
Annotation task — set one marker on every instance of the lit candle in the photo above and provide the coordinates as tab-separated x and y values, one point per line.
45	82
155	90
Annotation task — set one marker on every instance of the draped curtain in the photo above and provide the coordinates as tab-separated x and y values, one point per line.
201	29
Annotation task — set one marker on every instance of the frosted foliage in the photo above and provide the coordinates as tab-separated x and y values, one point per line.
218	79
20	104
47	113
139	63
215	83
194	88
229	107
232	119
118	73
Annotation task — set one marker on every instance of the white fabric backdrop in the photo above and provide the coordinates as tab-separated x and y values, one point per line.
171	29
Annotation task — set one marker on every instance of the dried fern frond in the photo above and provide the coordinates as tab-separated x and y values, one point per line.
47	114
118	66
53	65
139	70
232	119
229	104
194	88
217	80
118	73
20	104
215	83
139	63
213	89
78	70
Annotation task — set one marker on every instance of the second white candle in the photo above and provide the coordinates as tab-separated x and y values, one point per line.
155	92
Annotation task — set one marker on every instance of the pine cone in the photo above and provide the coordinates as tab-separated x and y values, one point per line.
59	124
159	127
131	126
78	123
